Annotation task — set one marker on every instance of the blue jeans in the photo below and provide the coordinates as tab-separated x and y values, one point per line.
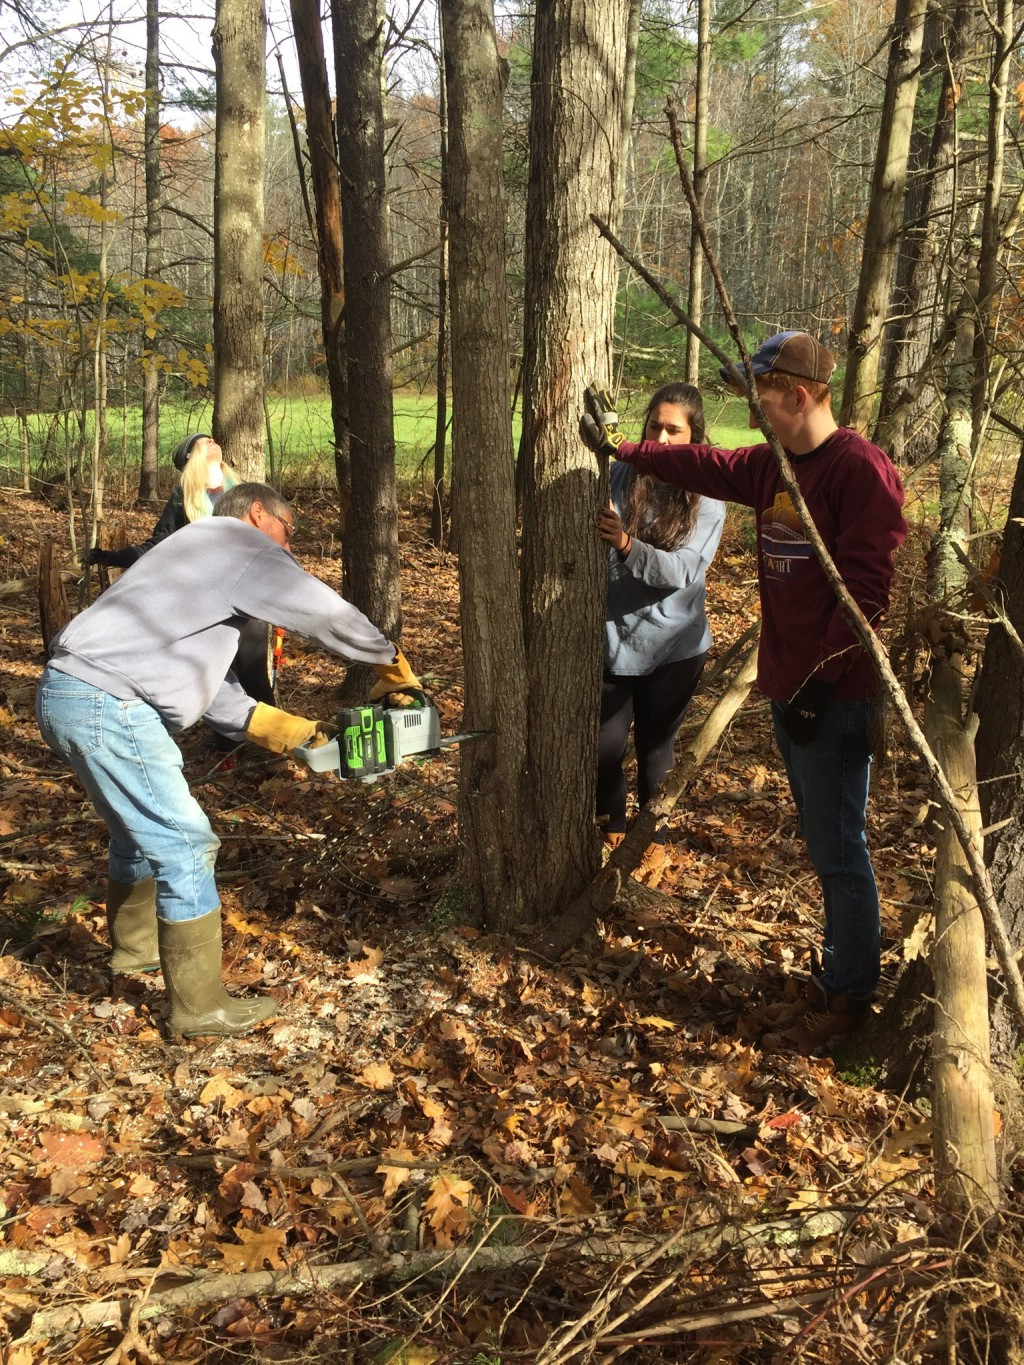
829	781
132	770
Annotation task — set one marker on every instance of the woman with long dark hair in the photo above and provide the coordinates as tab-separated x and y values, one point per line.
661	541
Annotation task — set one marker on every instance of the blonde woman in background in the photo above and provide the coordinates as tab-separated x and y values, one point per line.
204	476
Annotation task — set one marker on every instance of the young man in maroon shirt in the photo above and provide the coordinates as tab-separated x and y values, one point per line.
819	680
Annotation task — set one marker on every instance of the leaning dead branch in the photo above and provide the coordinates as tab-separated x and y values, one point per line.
597	898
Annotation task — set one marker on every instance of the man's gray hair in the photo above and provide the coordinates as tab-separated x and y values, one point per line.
236	502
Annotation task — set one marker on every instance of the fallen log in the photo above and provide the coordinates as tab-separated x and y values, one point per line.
301	1280
13	586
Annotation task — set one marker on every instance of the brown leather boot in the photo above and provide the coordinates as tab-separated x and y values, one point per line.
610	840
652	865
813	998
131	924
190	954
841	1017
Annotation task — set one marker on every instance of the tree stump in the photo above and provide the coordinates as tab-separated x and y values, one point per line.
54	612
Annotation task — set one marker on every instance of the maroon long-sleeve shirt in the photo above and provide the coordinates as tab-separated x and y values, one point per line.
855	498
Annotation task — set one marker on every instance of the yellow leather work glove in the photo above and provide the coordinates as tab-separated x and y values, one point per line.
599	425
279	731
396	677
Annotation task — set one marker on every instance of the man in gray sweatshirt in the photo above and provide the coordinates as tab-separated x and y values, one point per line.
149	658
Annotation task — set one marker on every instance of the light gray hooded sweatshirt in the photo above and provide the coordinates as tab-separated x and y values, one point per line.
167	632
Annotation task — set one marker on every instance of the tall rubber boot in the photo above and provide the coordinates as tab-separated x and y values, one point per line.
131	924
190	954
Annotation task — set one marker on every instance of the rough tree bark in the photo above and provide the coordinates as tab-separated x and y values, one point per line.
962	1090
628	94
371	546
926	248
990	255
882	229
575	134
695	291
439	494
963	1101
323	168
495	807
1000	749
54	612
239	37
149	471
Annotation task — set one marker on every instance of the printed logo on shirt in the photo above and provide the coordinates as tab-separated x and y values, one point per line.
783	543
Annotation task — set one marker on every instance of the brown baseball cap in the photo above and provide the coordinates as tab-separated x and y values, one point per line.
795	353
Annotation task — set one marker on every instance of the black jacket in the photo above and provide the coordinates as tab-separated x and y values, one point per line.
171	519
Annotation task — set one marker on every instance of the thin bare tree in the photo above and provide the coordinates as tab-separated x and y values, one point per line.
885	210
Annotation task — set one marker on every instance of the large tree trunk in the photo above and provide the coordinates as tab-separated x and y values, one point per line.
882	230
149	473
1000	749
575	129
371	547
323	166
239	37
496	811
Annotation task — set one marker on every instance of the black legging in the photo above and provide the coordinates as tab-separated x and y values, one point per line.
655	703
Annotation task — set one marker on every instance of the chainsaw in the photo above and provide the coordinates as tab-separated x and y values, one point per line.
375	739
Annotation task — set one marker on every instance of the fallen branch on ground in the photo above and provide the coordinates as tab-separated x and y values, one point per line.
13	586
305	1279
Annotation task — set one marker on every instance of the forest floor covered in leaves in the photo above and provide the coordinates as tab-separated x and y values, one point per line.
445	1148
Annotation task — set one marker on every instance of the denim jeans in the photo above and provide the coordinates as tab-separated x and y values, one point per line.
132	769
829	781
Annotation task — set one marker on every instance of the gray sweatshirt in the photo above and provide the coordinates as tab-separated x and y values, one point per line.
168	631
655	613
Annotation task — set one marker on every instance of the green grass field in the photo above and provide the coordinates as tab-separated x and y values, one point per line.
299	429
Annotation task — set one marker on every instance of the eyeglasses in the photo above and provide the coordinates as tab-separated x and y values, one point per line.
288	526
